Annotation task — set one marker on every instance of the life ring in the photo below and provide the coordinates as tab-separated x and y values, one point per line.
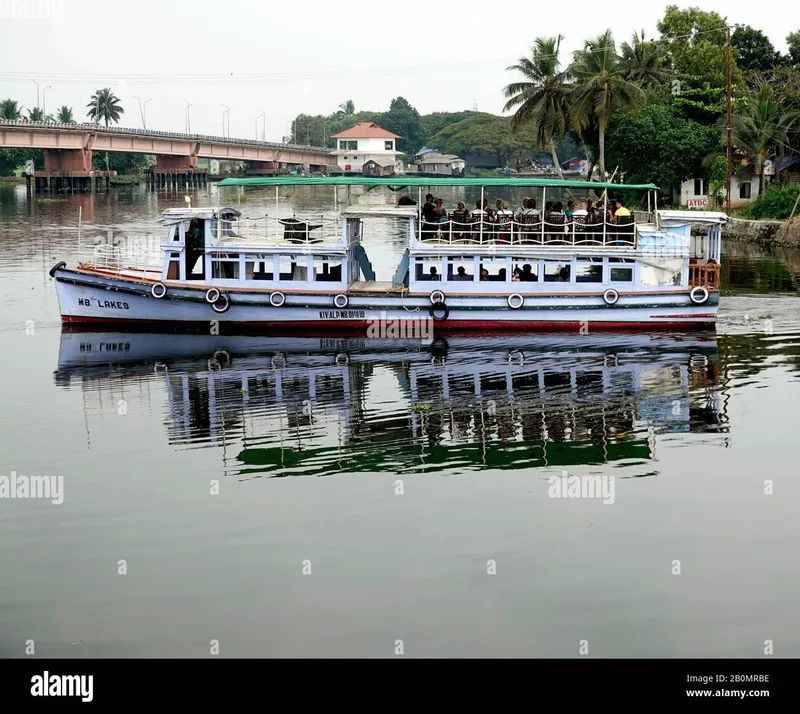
515	297
212	295
437	296
223	357
57	266
698	290
277	299
342	359
213	365
439	306
516	357
611	297
341	300
158	290
222	304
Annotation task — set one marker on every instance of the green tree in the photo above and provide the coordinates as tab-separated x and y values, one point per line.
431	124
126	164
403	120
10	110
600	90
793	40
311	130
36	114
347	108
644	62
785	84
104	106
754	49
13	159
65	115
696	43
660	146
541	100
760	127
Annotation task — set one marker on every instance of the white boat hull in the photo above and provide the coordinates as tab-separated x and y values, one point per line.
96	299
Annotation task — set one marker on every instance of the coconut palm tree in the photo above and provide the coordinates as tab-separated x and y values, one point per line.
600	89
104	106
36	114
10	110
541	99
761	128
65	115
347	108
643	61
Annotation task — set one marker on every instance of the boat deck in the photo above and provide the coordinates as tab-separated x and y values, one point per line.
373	286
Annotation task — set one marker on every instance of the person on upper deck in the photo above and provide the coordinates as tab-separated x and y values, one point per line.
570	209
429	216
620	210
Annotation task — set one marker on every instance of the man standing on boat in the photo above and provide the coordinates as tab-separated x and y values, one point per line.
430	218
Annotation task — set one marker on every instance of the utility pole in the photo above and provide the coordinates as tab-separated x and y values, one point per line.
188	118
37	93
729	128
227	110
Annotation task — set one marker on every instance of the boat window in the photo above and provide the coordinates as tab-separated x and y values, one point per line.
258	267
526	269
495	268
557	271
619	273
461	269
589	270
428	269
225	266
292	267
174	266
327	269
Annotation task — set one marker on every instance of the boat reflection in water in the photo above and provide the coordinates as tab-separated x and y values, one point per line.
315	406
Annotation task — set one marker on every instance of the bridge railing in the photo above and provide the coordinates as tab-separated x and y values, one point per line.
100	129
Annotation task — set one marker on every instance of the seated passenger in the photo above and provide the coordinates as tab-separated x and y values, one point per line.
462	274
433	274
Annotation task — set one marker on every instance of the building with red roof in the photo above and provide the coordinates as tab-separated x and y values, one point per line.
365	142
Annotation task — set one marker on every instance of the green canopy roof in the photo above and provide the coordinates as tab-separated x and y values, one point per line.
409	181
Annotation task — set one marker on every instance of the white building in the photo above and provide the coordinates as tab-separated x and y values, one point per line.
364	142
435	163
694	192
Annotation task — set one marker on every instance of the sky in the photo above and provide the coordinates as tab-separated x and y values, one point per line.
284	58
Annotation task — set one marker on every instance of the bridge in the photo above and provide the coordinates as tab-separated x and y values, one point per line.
68	152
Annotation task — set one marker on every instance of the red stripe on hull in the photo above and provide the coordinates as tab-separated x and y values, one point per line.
335	328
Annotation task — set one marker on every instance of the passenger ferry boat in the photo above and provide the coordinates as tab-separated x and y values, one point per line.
282	406
311	271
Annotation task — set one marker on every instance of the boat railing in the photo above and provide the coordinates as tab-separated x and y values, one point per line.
704	275
554	231
275	231
123	257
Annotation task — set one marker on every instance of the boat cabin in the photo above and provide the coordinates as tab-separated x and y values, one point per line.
221	247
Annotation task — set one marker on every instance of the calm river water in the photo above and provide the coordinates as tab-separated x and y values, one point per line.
331	498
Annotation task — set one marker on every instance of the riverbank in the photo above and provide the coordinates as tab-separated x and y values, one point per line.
766	232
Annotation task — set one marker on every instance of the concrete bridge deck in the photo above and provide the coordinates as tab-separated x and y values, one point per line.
68	147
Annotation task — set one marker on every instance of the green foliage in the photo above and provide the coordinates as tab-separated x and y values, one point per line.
717	176
36	114
696	42
104	106
697	99
754	49
65	115
430	124
10	110
660	146
13	159
793	40
776	203
123	164
482	133
404	120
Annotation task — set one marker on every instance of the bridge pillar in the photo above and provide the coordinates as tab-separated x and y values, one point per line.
71	160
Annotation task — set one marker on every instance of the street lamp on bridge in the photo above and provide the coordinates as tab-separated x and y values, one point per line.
228	112
188	118
143	111
44	102
263	116
37	92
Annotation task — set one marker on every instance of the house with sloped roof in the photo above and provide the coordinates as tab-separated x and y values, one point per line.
365	142
446	164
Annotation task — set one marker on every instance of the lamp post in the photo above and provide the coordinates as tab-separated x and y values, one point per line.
263	116
143	111
227	111
37	92
44	102
288	132
188	118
